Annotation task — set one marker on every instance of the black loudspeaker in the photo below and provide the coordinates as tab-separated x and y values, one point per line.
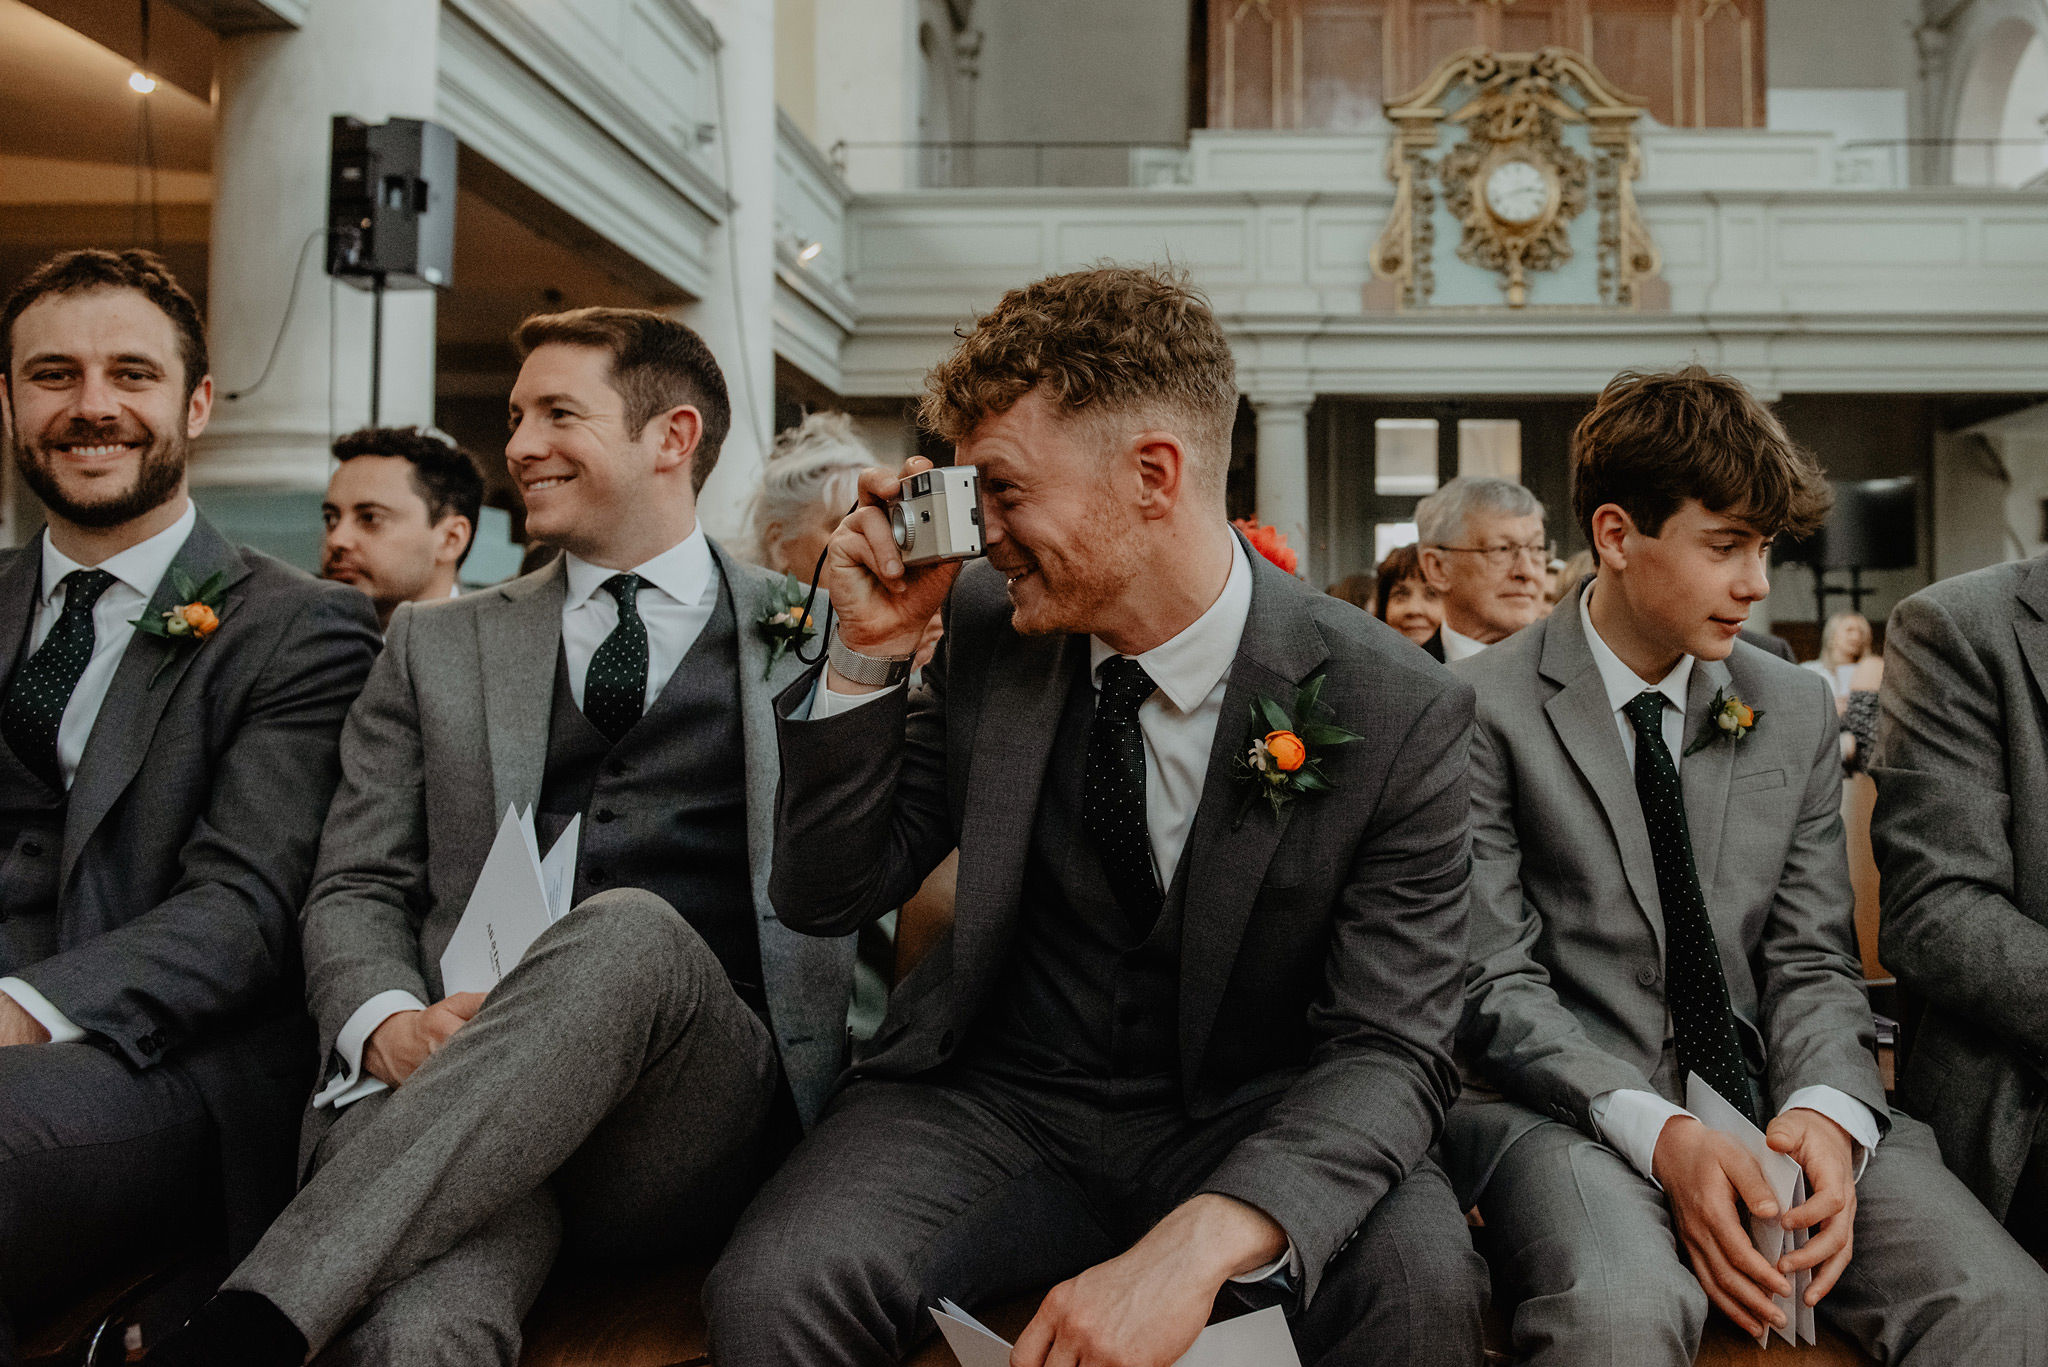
1875	525
391	204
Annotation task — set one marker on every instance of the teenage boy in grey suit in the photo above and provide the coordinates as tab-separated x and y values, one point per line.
1961	831
1175	1037
624	1088
1661	888
160	801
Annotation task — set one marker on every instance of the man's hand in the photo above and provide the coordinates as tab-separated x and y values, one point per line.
403	1042
1703	1173
881	607
1145	1308
1827	1153
18	1026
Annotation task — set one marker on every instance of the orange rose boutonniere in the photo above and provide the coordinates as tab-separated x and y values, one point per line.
787	623
191	621
1729	718
1284	759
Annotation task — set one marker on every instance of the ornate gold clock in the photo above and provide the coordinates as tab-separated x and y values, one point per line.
1506	150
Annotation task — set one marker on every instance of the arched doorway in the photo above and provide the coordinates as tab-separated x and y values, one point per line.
2002	100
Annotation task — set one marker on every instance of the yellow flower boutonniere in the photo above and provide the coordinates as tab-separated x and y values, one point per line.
1729	718
1284	759
787	624
190	622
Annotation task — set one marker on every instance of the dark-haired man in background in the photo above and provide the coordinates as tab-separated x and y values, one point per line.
623	1089
160	801
400	514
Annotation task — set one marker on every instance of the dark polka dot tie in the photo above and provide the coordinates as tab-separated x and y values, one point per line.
1694	987
42	687
1113	790
615	687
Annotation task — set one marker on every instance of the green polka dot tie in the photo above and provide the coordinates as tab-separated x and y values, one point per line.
1113	790
1701	1017
615	688
42	687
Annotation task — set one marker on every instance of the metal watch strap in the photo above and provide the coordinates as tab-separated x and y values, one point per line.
873	671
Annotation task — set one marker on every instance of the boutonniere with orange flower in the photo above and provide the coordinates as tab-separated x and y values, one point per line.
787	623
196	617
1729	719
1285	757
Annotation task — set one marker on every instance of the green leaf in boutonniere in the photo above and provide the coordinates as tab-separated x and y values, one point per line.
786	625
1729	719
1284	759
195	617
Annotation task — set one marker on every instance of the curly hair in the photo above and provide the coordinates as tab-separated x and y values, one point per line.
1656	439
90	268
1112	342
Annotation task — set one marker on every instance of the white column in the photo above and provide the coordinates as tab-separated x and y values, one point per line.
276	95
1281	469
736	316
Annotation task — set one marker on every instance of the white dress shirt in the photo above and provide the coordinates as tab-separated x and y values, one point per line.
678	593
1458	646
1630	1120
137	571
1191	671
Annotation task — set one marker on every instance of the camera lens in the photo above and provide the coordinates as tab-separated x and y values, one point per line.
902	528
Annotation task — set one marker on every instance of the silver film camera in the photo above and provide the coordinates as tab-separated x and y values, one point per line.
938	516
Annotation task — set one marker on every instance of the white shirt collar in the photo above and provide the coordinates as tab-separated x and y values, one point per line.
1623	684
1459	646
141	567
684	572
1187	666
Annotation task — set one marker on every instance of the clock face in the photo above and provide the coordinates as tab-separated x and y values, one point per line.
1517	192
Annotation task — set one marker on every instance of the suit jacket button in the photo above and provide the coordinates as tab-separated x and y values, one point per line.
1647	976
33	849
597	875
606	814
945	1041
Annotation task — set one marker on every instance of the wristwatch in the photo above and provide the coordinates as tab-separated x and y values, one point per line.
873	671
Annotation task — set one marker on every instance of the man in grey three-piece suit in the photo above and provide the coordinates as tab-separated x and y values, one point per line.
160	803
1661	888
1961	831
1173	1039
623	1089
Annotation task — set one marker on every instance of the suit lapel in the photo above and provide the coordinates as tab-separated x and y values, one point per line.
518	676
1705	775
2032	634
1224	863
21	581
138	695
1028	678
751	598
1584	721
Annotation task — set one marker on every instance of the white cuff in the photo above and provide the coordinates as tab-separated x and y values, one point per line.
1629	1121
62	1031
348	1085
1289	1261
1838	1106
826	703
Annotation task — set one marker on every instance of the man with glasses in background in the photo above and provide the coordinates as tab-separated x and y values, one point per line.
1484	551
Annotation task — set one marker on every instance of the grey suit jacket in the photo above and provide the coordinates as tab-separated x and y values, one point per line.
451	729
188	845
1320	949
1564	998
1961	832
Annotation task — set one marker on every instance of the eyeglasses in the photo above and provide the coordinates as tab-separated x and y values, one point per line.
1501	557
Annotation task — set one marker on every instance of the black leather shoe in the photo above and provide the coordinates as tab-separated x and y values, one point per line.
234	1329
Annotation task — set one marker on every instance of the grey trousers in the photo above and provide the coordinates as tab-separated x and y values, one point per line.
99	1163
976	1190
1587	1249
612	1097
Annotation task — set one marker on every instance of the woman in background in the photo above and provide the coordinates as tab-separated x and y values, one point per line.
1403	599
1844	641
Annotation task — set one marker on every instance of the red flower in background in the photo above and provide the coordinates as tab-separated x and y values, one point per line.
1270	542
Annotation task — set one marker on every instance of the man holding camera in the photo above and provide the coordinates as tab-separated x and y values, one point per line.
1191	1025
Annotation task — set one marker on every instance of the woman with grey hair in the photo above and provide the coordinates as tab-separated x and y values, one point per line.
807	486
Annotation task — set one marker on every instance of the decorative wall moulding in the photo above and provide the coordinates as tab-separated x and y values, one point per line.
1502	153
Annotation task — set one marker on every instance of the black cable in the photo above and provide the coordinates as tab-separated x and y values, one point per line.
290	302
811	599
